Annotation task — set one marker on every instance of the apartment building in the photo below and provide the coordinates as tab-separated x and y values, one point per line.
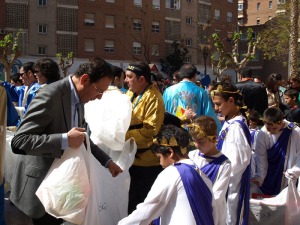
122	30
256	14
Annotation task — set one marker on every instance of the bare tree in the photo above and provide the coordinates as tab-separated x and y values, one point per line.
293	52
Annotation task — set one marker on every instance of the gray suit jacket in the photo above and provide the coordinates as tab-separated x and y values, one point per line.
38	140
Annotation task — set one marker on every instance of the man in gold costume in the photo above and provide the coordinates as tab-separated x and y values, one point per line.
147	118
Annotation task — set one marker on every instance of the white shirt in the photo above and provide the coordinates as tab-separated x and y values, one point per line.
220	184
167	199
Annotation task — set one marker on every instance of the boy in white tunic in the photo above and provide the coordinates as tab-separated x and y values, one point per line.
211	161
278	152
234	141
171	199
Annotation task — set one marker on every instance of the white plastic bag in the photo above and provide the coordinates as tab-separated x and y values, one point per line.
281	209
108	201
109	118
65	190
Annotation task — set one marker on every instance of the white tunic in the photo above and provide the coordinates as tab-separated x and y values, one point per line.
238	151
167	199
265	140
220	184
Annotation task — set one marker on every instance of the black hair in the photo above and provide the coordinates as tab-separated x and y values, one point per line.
16	78
271	82
117	71
292	93
48	68
187	71
96	68
273	115
254	116
166	132
28	66
246	72
229	90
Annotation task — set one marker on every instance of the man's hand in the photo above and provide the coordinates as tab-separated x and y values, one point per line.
76	137
114	168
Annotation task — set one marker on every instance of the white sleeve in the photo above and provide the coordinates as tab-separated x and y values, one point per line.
156	200
261	157
295	155
237	149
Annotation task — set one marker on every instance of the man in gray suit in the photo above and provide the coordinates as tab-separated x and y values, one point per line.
53	123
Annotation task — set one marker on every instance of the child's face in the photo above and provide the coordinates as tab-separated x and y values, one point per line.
164	161
289	101
204	145
252	124
274	128
222	106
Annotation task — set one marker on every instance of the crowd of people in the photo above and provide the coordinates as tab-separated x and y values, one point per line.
200	153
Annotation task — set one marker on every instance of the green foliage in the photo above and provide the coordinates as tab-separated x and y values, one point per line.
275	38
66	63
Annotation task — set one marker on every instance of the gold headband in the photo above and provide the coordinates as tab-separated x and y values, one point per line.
136	70
171	143
220	90
200	132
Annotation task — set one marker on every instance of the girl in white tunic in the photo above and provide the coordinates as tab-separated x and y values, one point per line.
211	161
169	198
234	142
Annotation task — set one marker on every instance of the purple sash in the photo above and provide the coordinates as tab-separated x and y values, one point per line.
211	169
252	133
276	159
199	195
244	196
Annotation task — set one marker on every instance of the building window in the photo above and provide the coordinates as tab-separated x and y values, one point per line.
89	19
258	21
217	14
240	21
89	45
155	50
229	16
188	42
42	2
110	1
156	4
270	4
136	48
189	0
240	6
110	21
173	4
109	46
188	20
258	6
230	1
256	57
254	35
42	29
138	3
137	24
280	1
155	27
187	59
41	50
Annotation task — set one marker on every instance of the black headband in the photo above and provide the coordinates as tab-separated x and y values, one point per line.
135	70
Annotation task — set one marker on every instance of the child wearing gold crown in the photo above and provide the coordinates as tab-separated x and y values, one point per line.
211	161
181	194
234	141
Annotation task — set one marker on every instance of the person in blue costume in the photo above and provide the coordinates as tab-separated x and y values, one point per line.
211	161
187	95
31	85
278	153
235	143
181	194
